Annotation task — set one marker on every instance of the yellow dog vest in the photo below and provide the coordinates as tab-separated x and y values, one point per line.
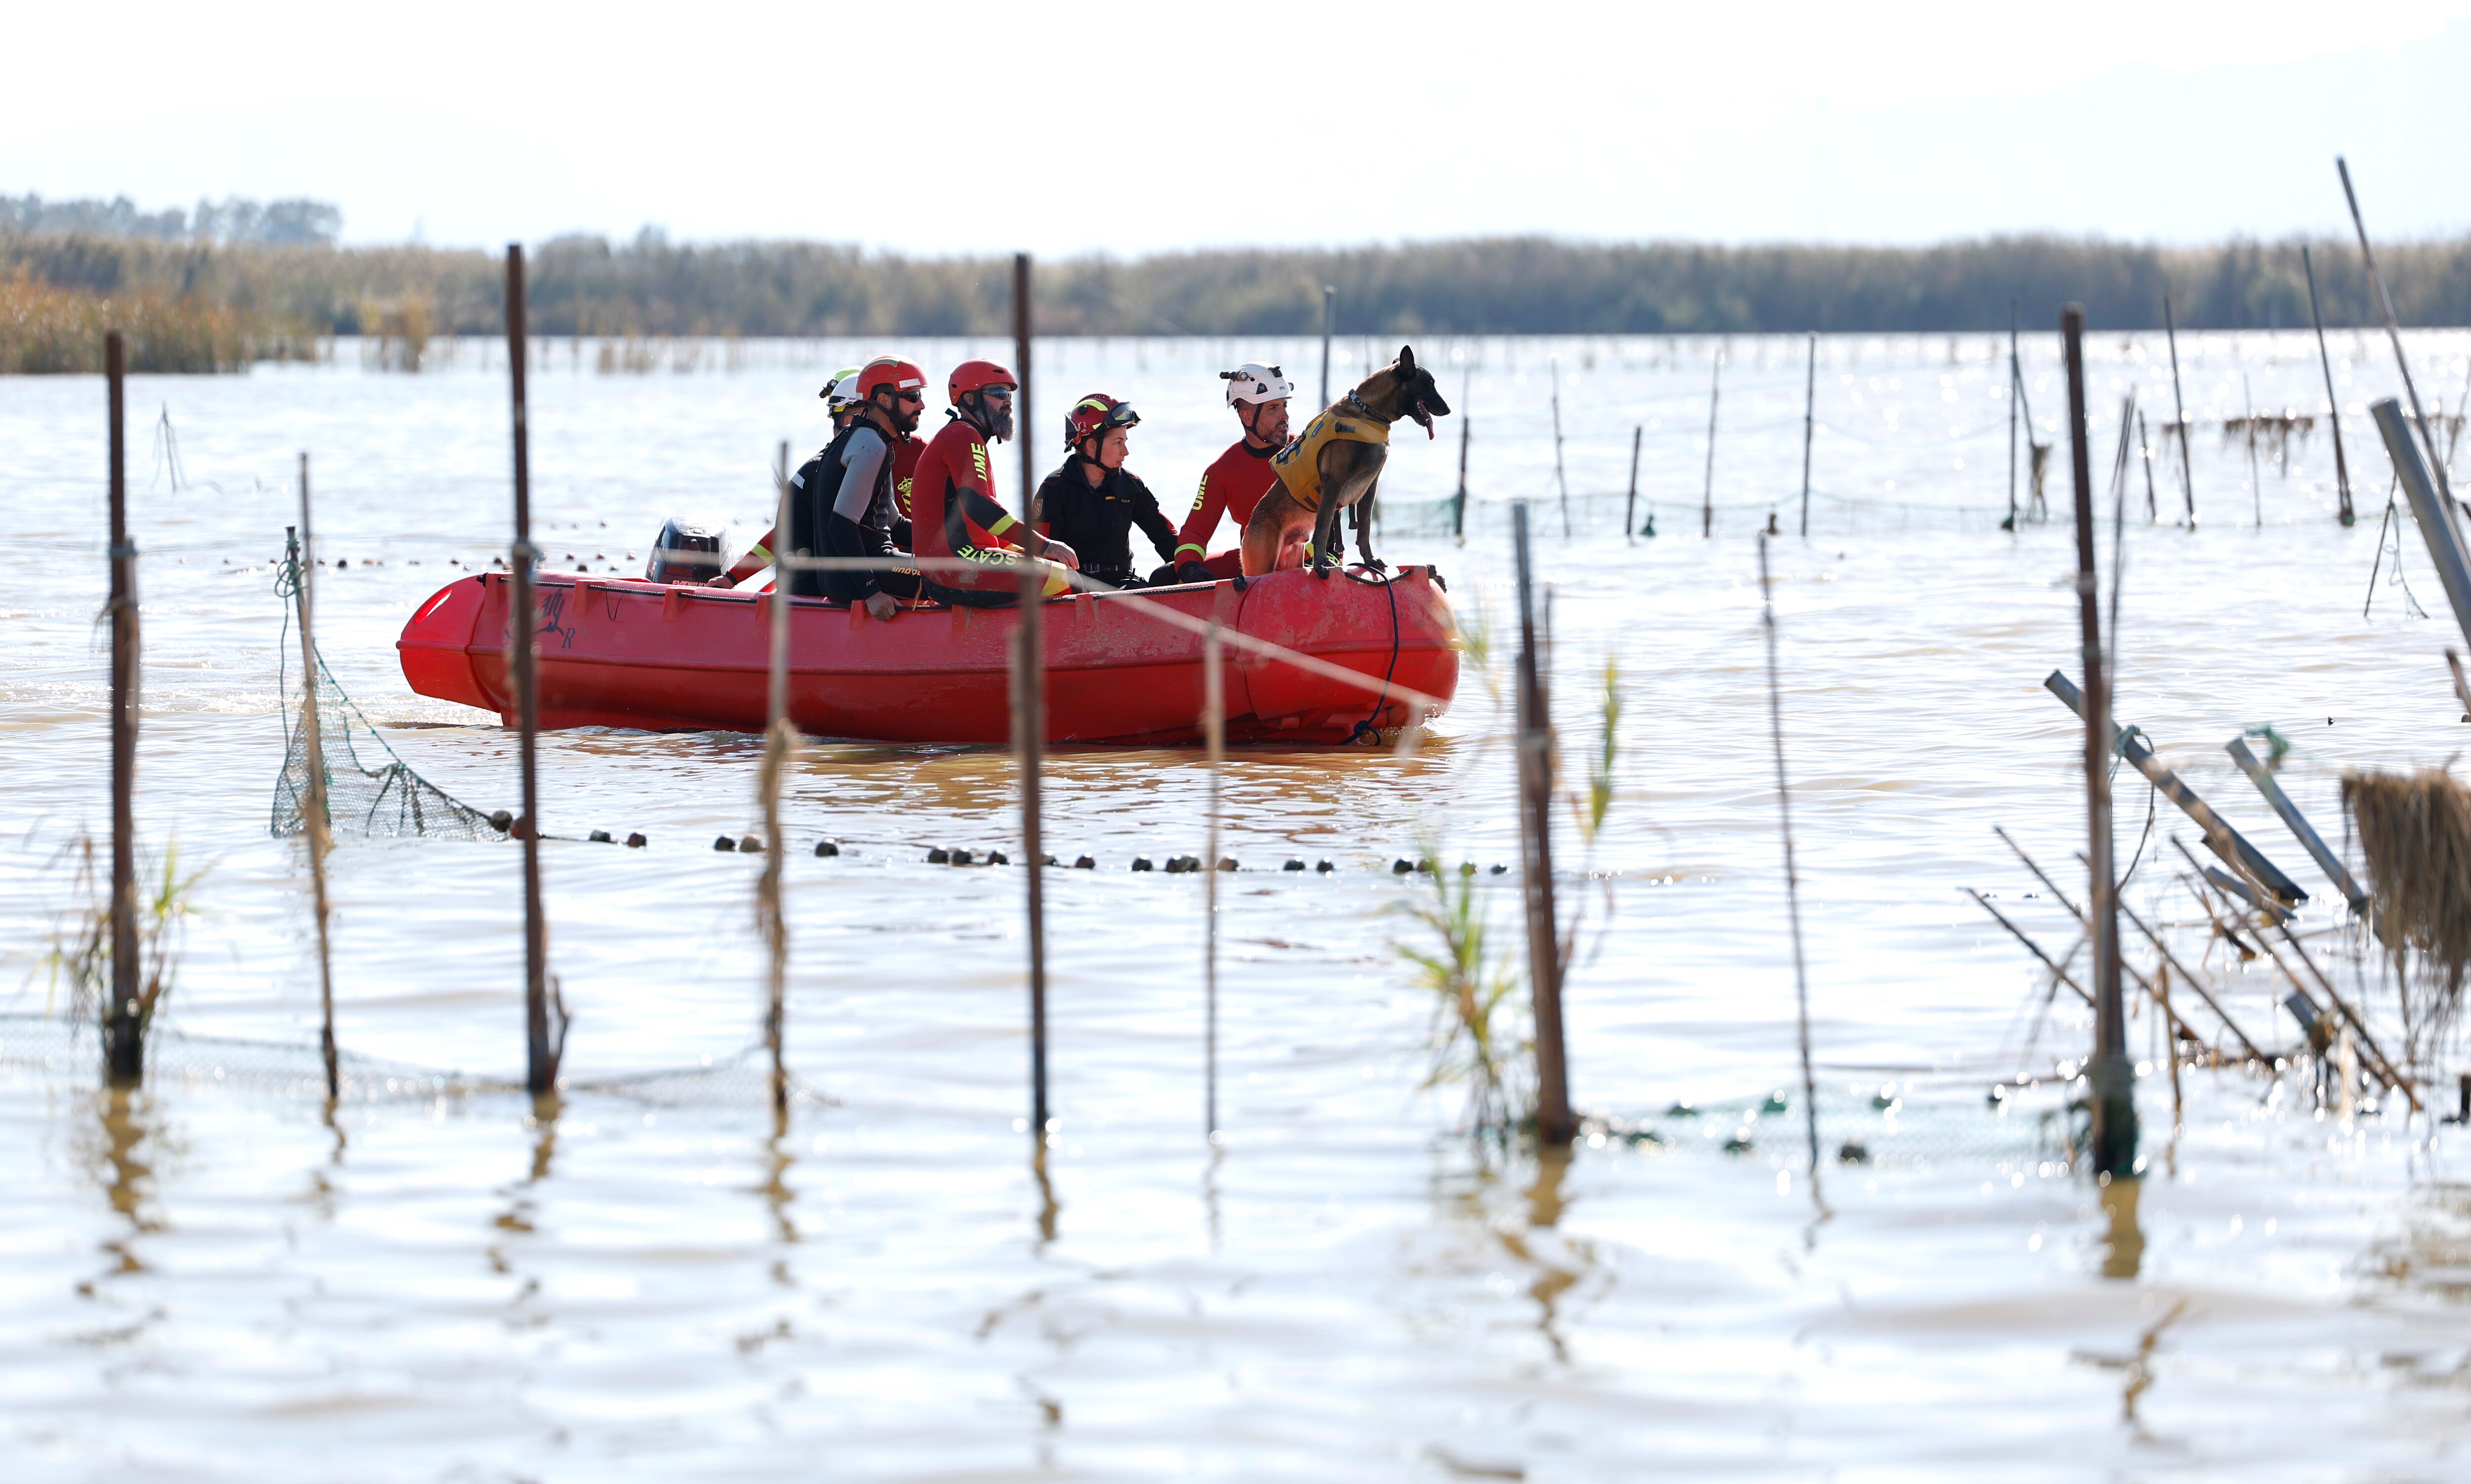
1299	463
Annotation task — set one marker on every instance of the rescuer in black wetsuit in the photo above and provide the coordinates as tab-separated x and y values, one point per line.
841	501
1092	501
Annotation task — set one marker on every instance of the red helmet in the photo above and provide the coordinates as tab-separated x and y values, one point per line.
1096	415
979	375
889	371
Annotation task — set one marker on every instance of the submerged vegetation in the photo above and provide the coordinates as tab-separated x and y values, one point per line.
79	960
1481	1035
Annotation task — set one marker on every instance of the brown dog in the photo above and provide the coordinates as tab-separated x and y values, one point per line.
1334	465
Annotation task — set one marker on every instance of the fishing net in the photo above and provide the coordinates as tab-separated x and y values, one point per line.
1603	514
387	800
66	1048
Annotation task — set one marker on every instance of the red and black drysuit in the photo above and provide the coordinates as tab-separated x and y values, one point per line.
1097	520
1231	486
953	512
842	505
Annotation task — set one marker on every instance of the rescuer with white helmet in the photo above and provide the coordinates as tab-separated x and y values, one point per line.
1238	479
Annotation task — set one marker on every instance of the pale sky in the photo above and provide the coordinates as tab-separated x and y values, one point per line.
1128	128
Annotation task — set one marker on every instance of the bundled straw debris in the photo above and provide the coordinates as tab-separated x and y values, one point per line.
2415	832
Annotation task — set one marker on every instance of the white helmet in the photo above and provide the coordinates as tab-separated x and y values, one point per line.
841	390
1254	382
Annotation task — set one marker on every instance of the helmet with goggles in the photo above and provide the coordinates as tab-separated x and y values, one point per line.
1097	416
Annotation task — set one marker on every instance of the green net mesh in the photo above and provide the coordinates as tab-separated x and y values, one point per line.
384	800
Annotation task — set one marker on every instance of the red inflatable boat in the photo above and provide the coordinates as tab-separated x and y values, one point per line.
622	652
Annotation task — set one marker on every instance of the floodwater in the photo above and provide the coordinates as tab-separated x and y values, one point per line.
213	1280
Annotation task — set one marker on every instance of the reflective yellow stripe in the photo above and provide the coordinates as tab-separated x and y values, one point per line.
1190	547
1007	523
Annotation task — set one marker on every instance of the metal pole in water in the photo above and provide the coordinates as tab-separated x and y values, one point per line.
1792	879
1213	714
2179	411
1328	319
1030	712
1630	502
1708	495
540	1074
313	808
125	1036
1559	477
1554	1124
1810	416
2113	1079
2333	399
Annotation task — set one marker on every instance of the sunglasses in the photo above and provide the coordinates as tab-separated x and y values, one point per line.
995	393
913	396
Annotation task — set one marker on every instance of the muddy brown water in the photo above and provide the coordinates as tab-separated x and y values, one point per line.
212	1279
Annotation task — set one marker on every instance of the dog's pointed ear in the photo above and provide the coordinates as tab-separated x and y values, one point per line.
1406	360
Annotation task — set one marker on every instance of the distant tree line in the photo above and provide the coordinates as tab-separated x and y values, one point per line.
278	268
234	219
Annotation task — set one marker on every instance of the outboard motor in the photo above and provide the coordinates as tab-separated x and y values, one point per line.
684	552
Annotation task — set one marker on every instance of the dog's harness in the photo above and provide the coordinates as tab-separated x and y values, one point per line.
1299	463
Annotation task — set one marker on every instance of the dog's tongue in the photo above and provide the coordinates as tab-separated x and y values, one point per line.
1426	418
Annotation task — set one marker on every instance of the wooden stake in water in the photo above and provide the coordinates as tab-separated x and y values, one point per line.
780	744
1328	319
2255	479
2180	411
2145	450
1029	715
1708	495
313	808
1458	502
1792	879
1559	477
1213	726
540	1067
1554	1124
1022	328
2333	399
1630	502
125	1034
2115	1090
2393	333
2012	379
1809	422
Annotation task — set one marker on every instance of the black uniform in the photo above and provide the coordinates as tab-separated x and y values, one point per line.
1096	520
844	495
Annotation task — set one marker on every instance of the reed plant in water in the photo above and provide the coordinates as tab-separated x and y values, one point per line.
50	330
80	959
1479	1033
